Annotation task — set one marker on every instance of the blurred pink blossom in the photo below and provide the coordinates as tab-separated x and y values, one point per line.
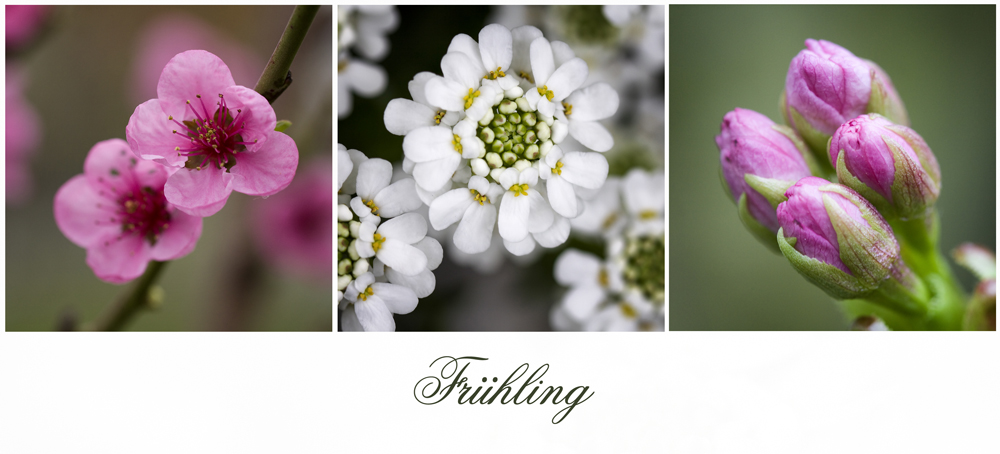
217	136
117	211
23	23
294	229
22	137
171	34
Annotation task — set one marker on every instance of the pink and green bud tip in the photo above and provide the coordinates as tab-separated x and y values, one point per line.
760	161
888	164
828	85
835	238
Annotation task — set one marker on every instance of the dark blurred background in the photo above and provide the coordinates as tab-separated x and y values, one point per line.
80	80
942	60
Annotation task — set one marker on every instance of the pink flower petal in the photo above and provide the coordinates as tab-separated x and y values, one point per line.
82	214
118	259
179	239
109	166
268	170
195	72
199	192
257	114
150	135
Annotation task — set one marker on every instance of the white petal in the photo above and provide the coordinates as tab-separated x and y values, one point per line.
432	175
449	208
344	167
592	135
513	217
568	77
427	197
349	320
464	44
519	248
595	102
365	79
508	177
364	248
542	63
418	86
618	15
522	38
561	52
402	116
445	93
495	47
402	257
562	196
373	176
475	232
574	268
398	299
588	170
422	284
581	302
532	97
373	315
462	69
432	250
398	198
559	131
429	144
529	176
556	235
408	228
359	207
540	217
545	107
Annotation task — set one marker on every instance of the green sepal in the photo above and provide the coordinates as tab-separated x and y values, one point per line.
815	139
846	178
772	189
282	125
831	279
807	155
856	308
759	231
981	314
913	190
869	251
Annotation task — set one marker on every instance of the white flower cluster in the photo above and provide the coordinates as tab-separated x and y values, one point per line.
362	29
481	139
624	291
385	261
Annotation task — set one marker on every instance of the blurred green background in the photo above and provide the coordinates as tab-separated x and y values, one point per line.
942	60
79	82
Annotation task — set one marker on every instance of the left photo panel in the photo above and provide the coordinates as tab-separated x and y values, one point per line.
167	170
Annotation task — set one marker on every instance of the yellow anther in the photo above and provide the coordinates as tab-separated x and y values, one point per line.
544	91
520	189
438	117
478	197
371	204
457	143
526	76
602	278
558	168
377	244
647	214
567	109
495	74
627	310
363	296
469	98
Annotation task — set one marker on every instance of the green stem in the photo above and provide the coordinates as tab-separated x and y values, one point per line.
276	77
119	313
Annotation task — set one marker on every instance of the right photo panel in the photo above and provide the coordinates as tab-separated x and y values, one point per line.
832	167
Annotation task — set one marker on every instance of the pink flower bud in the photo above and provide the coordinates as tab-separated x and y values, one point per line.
750	144
827	226
888	164
827	85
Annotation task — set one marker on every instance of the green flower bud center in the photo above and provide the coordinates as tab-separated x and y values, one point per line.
513	134
349	264
644	267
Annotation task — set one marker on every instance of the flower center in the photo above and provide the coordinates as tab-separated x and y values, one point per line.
493	75
144	213
644	269
481	198
349	264
363	296
520	189
627	310
544	91
567	109
437	117
371	204
514	135
558	168
214	138
456	142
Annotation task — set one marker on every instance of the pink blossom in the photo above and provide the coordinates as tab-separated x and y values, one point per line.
171	34
23	23
117	210
294	229
22	138
218	135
